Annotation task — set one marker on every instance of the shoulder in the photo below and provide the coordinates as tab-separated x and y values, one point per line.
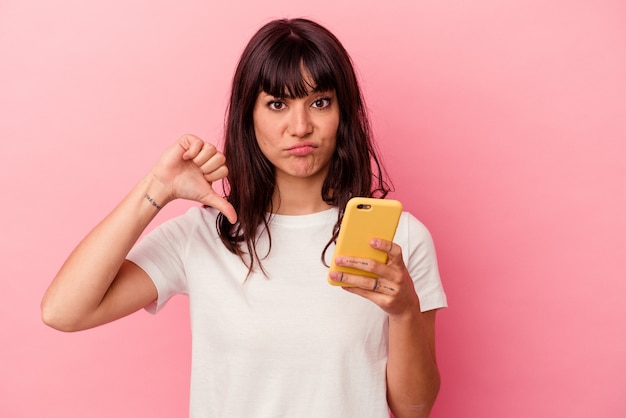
415	239
412	229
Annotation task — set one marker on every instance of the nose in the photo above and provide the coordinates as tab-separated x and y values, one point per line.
300	122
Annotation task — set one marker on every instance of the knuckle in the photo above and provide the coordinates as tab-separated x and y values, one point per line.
377	268
219	158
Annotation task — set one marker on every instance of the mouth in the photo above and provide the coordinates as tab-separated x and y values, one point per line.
303	148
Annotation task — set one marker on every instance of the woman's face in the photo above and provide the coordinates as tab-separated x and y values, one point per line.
297	135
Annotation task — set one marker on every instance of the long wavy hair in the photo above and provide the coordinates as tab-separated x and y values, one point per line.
273	62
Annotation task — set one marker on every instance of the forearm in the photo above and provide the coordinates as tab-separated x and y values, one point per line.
412	373
86	276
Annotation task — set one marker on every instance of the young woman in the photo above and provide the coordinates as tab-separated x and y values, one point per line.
270	336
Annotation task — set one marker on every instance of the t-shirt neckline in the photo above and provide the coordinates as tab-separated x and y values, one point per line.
317	218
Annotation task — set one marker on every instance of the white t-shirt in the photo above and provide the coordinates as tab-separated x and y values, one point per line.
285	345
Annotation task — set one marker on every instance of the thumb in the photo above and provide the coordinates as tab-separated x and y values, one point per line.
222	205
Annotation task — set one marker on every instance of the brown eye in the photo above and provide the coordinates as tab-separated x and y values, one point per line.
276	105
321	103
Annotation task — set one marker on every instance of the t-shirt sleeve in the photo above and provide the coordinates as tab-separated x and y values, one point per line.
421	261
161	254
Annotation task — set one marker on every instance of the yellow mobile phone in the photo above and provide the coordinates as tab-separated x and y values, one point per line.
364	219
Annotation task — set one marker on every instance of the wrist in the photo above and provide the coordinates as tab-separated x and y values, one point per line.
154	192
153	202
409	315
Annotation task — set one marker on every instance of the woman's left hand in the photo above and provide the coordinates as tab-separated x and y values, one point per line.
392	290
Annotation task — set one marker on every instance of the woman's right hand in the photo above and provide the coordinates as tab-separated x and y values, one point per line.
96	284
187	170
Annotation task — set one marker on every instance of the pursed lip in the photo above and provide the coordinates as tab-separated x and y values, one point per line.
302	149
303	144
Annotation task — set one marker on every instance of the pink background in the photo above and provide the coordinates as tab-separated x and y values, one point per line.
502	122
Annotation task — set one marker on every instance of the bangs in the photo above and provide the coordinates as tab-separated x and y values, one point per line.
293	68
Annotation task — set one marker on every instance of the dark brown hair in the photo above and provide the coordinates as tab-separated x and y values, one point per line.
273	62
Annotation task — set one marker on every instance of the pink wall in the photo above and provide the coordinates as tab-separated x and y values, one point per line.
503	124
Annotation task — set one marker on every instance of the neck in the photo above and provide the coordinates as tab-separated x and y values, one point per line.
297	196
